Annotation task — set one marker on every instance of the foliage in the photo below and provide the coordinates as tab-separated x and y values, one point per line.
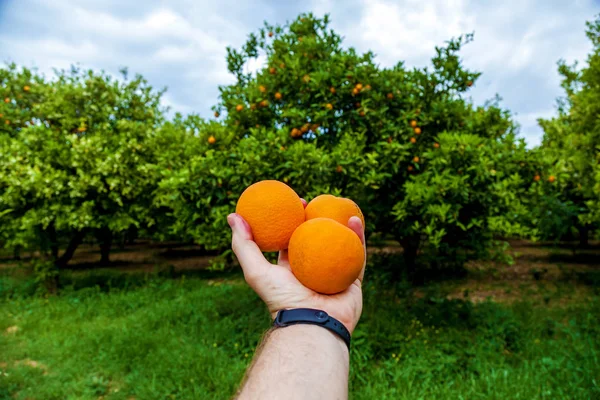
572	141
81	162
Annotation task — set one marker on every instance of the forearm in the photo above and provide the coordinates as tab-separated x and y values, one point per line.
299	362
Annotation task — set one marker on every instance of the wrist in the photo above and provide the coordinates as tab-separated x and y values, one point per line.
313	337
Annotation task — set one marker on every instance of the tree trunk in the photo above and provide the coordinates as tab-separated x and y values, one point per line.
584	236
106	238
75	241
411	247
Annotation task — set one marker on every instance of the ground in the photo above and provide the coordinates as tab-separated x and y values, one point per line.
156	324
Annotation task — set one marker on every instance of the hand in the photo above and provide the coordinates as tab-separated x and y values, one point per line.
278	287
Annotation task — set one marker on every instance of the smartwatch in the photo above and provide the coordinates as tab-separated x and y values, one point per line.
312	317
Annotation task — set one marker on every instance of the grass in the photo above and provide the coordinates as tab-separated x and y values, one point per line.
126	336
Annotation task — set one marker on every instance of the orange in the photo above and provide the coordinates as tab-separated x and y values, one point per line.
264	103
537	178
415	159
262	88
390	96
354	91
413	123
26	88
332	90
329	106
339	209
339	169
296	132
278	96
417	130
436	145
7	100
239	107
273	210
359	86
413	140
270	34
305	128
362	113
469	83
306	78
410	168
253	106
217	114
272	71
211	140
325	256
551	179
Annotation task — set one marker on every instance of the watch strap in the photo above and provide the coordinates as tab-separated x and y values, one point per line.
312	317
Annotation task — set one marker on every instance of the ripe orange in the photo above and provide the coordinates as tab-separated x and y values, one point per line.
354	91
339	209
332	90
211	139
262	88
296	132
339	169
26	88
282	148
537	178
272	70
239	107
329	106
325	256
470	83
413	140
217	114
7	100
413	124
278	96
368	87
417	130
362	113
436	145
390	96
410	168
305	128
270	34
273	210
551	179
7	122
415	159
264	103
359	86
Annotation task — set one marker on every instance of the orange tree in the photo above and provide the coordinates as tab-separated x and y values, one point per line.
85	164
424	164
571	145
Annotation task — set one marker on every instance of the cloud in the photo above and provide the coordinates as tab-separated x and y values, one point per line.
181	44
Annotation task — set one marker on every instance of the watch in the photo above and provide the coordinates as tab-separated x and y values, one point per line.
312	317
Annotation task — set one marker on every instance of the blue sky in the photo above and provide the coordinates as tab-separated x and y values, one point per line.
181	44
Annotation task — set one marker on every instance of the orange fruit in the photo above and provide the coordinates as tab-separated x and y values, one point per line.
362	113
272	70
296	132
415	159
217	114
368	87
390	96
26	88
359	86
332	90
436	145
239	107
211	140
270	34
329	106
7	122
264	103
305	128
273	210
413	123
470	83
551	179
339	169
278	96
413	140
339	209
417	130
262	88
537	178
306	78
354	91
410	168
7	100
325	256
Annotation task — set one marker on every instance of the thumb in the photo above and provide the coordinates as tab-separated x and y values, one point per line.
250	257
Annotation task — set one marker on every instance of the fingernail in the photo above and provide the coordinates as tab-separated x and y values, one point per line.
231	220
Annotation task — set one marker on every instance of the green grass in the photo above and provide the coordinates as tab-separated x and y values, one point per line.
122	336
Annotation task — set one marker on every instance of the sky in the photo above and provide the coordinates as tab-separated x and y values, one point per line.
180	44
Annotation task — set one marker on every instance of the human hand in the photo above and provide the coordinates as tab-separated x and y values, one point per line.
278	287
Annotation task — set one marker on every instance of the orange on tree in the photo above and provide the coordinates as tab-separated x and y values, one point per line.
417	130
7	100
413	140
436	145
270	34
296	132
26	88
264	103
339	209
262	88
470	83
361	113
7	122
537	178
551	179
390	96
278	96
358	86
413	123
326	256
211	139
354	91
272	70
217	114
416	159
332	90
410	168
329	106
239	107
339	169
273	210
368	87
305	128
306	78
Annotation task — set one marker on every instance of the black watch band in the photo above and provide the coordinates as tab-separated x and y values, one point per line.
312	317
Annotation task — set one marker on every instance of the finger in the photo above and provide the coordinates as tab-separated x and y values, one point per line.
304	203
250	257
356	225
